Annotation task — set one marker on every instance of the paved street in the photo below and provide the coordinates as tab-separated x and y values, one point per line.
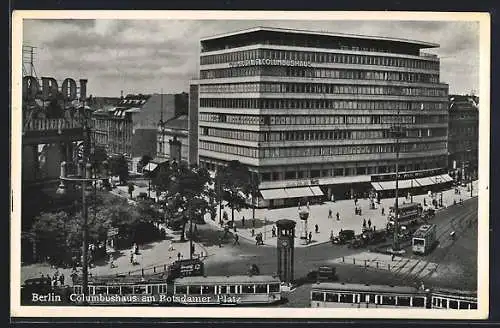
265	218
451	264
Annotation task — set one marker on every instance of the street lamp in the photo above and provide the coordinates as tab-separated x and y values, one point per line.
397	132
84	177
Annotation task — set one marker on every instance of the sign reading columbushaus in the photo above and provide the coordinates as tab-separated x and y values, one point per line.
275	62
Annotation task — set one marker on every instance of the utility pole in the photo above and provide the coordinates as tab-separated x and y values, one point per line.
397	131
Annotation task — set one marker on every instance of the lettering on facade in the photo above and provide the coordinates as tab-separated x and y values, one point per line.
270	62
49	89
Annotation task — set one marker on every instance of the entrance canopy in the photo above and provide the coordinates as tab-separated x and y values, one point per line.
299	192
412	183
150	167
285	193
269	194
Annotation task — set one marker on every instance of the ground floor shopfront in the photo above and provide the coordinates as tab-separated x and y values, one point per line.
331	189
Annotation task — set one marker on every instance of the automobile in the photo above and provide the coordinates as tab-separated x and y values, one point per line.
374	237
428	213
324	273
357	242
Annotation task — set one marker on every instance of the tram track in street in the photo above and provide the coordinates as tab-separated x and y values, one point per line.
433	257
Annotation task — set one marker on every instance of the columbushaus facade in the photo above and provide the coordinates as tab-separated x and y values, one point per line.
312	113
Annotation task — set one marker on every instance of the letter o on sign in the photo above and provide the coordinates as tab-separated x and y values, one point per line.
69	89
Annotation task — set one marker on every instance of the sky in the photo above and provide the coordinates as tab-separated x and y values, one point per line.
146	56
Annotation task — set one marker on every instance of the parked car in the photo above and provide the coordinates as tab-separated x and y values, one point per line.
344	237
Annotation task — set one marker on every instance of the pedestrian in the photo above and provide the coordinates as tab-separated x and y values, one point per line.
374	229
393	256
369	224
273	231
112	263
257	240
360	211
236	240
243	221
338	216
74	277
364	223
61	279
383	211
310	237
330	213
179	256
253	232
316	228
131	256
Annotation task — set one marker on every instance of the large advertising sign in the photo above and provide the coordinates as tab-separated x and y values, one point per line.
270	62
49	89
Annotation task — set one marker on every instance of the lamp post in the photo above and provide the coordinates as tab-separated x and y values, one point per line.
85	178
397	132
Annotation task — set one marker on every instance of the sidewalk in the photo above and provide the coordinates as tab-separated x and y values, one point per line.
318	214
154	254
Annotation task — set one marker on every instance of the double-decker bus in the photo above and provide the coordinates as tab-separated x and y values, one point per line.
424	239
408	213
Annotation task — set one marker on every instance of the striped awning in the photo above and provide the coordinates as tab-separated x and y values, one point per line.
376	186
150	167
268	194
299	192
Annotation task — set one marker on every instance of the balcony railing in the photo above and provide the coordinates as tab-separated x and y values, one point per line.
49	124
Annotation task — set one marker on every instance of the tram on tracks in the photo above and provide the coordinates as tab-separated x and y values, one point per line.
158	290
424	239
453	299
344	295
227	290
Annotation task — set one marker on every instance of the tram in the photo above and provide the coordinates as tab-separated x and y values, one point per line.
129	290
343	295
227	290
188	290
453	299
424	239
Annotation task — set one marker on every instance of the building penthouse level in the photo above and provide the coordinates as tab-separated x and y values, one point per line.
311	112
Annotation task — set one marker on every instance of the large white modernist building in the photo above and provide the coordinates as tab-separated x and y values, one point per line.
311	112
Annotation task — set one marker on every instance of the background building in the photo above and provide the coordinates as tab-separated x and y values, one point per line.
463	137
185	130
130	128
311	112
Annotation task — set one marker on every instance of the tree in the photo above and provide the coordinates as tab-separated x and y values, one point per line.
118	166
234	186
187	191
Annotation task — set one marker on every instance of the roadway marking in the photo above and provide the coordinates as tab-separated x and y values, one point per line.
400	265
